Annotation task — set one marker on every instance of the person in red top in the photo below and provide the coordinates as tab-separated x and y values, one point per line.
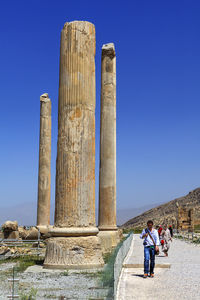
159	230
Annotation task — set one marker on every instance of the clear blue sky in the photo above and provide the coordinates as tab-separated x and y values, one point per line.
158	93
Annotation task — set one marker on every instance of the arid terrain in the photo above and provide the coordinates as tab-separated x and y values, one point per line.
168	212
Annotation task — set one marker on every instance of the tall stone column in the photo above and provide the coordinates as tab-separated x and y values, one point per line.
75	243
107	171
44	177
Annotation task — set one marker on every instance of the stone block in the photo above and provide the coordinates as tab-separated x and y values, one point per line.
109	240
10	226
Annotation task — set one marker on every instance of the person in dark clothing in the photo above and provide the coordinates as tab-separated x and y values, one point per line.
171	230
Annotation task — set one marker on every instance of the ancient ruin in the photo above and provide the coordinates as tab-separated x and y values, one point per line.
74	242
107	170
10	230
185	219
44	176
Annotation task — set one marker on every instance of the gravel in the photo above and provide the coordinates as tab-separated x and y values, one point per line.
53	284
182	279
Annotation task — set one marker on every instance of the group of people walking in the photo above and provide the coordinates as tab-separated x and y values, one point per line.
153	238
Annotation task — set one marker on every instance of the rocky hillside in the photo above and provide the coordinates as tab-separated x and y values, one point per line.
167	213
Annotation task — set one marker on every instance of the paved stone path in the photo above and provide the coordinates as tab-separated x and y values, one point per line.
180	281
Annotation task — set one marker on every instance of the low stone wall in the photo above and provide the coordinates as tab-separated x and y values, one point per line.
122	252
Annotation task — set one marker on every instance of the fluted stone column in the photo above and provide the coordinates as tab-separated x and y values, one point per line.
75	243
107	171
44	176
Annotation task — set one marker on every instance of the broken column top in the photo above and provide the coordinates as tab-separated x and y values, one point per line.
78	36
82	26
45	97
108	50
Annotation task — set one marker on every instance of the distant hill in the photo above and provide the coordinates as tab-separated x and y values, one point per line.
167	213
25	213
124	214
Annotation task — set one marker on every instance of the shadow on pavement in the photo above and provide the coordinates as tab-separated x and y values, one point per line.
137	275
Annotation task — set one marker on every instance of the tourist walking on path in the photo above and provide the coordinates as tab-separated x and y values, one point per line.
151	243
171	230
166	239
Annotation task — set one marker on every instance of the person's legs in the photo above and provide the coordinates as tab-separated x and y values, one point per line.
167	248
152	260
146	260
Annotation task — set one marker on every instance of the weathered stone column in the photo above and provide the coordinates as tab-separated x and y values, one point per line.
107	171
75	243
44	177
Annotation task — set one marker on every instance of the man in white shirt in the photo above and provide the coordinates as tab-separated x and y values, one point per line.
151	243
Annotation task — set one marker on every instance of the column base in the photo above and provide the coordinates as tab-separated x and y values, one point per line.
73	253
109	239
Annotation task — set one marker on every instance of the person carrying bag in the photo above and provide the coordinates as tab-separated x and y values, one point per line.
156	249
151	243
